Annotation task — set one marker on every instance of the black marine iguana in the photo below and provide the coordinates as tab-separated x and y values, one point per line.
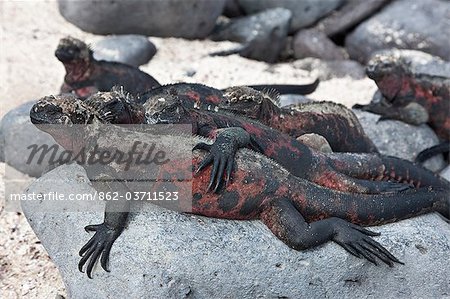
415	88
338	124
194	104
85	75
301	214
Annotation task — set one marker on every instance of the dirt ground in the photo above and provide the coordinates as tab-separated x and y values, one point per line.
30	31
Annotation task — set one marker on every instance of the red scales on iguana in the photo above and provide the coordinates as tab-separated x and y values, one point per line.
85	75
300	213
199	105
415	88
338	124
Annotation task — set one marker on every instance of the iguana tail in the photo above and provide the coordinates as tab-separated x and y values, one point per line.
442	148
288	89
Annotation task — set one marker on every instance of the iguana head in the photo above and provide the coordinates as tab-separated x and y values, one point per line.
72	50
387	71
56	116
77	58
65	109
114	107
250	102
166	110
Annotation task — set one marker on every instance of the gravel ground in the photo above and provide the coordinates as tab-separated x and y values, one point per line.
30	31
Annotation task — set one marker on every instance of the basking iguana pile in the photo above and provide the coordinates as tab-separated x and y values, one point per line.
286	196
338	124
85	75
194	104
415	88
247	160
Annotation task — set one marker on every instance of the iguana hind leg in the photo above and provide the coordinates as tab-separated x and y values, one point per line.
287	223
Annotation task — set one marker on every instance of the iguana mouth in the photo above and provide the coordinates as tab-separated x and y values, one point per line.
36	120
42	120
63	55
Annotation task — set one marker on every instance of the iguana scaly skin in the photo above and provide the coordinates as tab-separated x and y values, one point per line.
404	77
338	124
197	104
301	214
85	75
415	88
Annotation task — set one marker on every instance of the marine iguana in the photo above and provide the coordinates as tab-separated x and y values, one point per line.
197	104
301	214
415	88
85	75
338	124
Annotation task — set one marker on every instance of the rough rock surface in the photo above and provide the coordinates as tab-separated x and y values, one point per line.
314	43
165	254
316	141
16	134
188	19
326	70
426	28
396	138
445	173
304	13
131	49
263	35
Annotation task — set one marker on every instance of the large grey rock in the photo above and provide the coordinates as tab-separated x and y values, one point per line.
326	70
17	133
396	138
426	28
262	35
349	15
304	13
188	19
314	43
445	173
131	49
165	254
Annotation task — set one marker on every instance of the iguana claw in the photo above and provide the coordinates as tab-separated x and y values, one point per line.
357	240
99	244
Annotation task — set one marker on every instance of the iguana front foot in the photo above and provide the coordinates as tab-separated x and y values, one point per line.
222	159
413	113
99	244
221	154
